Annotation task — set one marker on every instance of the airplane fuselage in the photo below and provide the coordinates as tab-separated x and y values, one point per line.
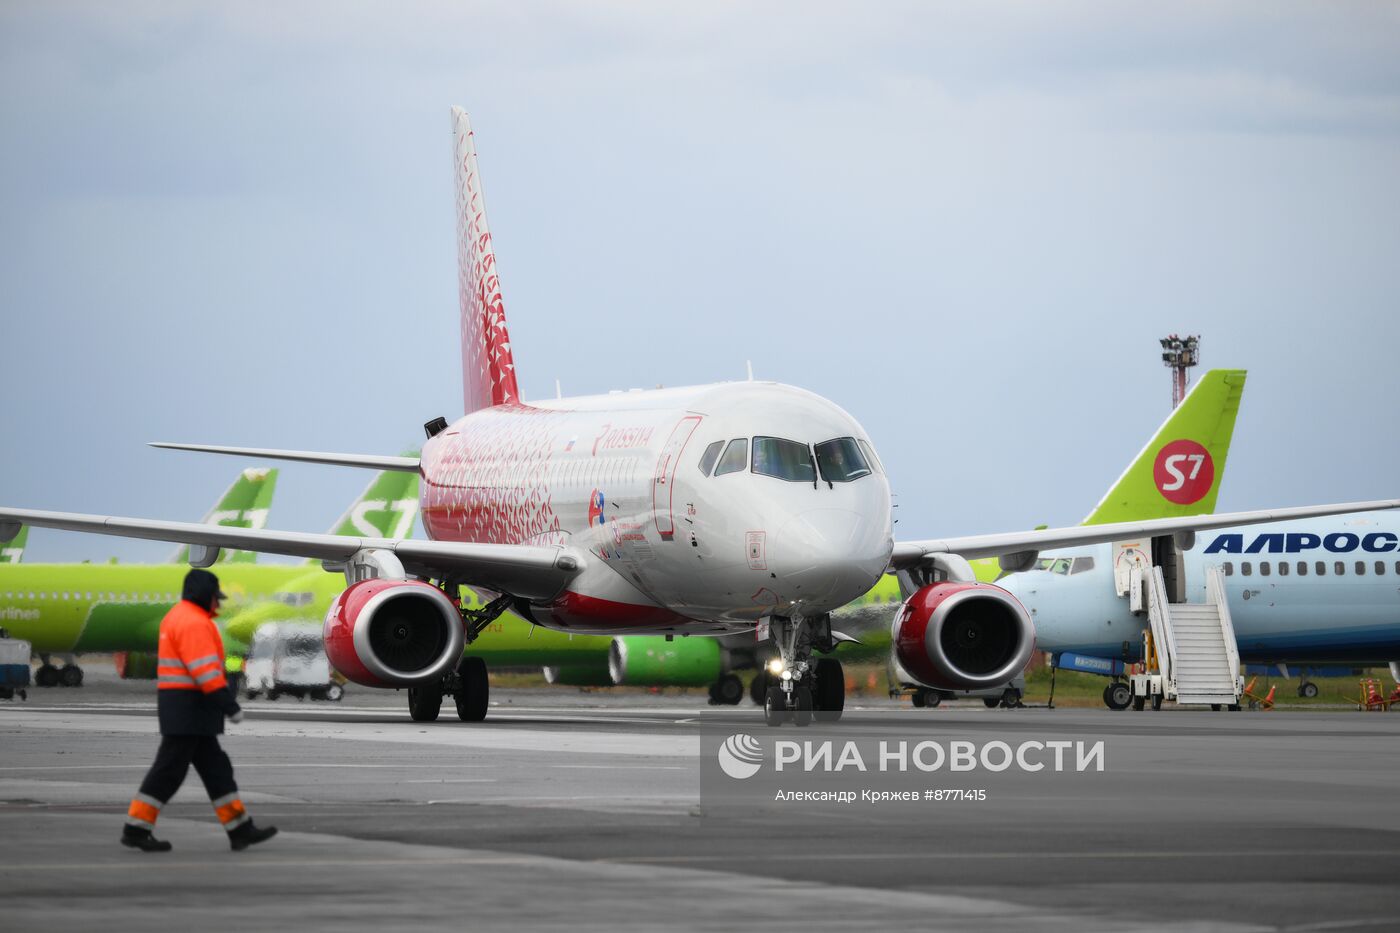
1309	591
670	546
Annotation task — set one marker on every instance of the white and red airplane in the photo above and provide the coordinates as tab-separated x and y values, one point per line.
694	511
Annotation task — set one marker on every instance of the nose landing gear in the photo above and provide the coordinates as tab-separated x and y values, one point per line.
800	687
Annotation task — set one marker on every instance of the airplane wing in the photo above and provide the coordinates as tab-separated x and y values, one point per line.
529	571
368	461
913	553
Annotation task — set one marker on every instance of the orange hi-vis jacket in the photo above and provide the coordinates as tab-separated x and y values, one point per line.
191	652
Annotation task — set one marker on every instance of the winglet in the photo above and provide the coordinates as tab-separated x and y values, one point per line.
488	369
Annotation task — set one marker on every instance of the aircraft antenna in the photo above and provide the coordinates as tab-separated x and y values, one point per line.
749	364
1179	354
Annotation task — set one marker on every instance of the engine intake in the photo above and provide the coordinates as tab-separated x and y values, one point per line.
963	636
393	633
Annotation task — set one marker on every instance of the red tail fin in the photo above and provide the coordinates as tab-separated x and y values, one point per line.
488	371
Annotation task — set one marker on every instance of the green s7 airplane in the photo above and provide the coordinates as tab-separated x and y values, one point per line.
75	608
64	609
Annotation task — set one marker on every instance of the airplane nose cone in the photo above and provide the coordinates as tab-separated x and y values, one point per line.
827	557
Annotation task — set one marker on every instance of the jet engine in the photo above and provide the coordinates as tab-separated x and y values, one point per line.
963	636
393	633
652	661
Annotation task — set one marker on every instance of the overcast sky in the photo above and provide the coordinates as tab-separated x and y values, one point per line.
966	223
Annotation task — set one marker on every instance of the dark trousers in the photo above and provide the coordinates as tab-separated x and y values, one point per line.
173	760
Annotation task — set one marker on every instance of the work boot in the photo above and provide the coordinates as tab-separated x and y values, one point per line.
249	835
136	838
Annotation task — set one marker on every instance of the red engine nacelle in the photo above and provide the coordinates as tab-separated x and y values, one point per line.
963	636
393	633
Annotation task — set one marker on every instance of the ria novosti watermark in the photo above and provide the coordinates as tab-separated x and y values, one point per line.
825	766
742	756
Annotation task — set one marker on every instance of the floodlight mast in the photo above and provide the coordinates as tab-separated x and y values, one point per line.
1179	354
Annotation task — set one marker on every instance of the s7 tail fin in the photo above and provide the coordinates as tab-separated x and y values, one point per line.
11	551
245	504
386	509
488	370
1179	472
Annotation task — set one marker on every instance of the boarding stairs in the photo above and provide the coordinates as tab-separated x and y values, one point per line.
1191	652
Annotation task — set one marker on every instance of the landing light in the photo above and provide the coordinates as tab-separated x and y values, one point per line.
787	675
775	666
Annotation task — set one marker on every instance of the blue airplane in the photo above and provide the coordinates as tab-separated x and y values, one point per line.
1309	592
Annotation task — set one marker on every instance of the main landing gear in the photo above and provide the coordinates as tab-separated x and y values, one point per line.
1307	689
1117	695
798	687
50	675
727	691
468	684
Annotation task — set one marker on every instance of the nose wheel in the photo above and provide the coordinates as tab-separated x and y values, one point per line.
803	688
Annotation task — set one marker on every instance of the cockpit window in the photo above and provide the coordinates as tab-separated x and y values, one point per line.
841	461
1058	565
708	458
870	455
736	457
789	460
1082	564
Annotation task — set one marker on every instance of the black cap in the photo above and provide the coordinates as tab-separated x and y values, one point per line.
202	588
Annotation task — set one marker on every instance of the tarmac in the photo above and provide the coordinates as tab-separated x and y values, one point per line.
580	811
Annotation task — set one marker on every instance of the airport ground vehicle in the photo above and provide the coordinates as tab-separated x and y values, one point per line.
14	667
290	658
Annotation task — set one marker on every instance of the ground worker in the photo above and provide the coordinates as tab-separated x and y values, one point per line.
193	701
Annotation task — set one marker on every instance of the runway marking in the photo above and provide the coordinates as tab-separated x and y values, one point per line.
451	781
870	856
241	765
995	856
629	767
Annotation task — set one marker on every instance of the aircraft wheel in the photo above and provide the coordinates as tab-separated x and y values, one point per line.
991	702
474	690
46	676
802	707
1156	702
1234	707
1139	703
758	687
932	698
273	694
727	691
829	697
1307	690
918	699
334	692
424	703
1215	707
1117	696
774	706
71	675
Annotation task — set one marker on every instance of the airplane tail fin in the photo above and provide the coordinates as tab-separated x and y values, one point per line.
245	504
488	369
1180	470
386	509
13	550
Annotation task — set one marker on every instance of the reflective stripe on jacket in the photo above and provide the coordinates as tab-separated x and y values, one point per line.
191	652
